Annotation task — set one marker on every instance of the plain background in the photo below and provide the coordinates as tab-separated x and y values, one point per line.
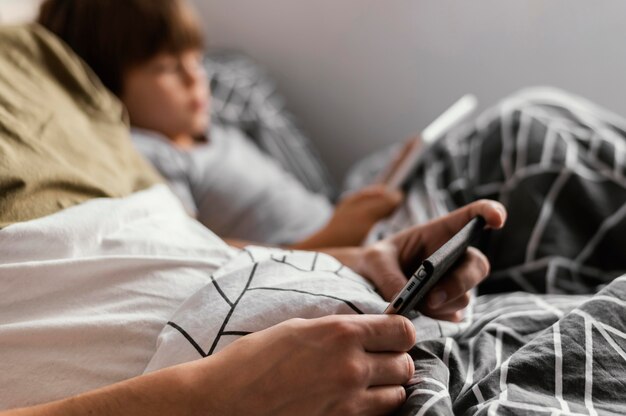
361	74
18	11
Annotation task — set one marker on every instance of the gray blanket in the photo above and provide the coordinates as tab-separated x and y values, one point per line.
558	164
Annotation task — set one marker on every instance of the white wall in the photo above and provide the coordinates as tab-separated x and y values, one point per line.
363	73
18	11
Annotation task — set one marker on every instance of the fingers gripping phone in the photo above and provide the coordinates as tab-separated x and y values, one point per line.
434	268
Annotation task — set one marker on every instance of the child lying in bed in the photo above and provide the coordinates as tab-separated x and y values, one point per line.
153	62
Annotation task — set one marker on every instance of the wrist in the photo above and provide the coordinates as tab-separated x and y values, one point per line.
351	257
321	238
162	392
194	380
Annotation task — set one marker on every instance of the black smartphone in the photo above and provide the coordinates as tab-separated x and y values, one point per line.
434	268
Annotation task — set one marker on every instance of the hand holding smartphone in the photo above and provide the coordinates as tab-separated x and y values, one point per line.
434	268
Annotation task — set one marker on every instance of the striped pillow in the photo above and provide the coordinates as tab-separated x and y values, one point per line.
244	96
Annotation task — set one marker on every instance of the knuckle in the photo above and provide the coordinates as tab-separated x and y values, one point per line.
354	372
343	331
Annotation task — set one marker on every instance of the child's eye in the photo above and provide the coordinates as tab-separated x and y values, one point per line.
178	65
164	66
167	67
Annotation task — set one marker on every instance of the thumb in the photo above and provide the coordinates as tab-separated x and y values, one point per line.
434	234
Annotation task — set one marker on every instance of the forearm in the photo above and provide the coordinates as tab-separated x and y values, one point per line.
165	392
321	242
315	242
351	257
243	243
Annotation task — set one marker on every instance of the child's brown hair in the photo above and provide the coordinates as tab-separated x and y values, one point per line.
113	35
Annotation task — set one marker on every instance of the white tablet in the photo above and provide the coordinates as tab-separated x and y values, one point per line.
451	118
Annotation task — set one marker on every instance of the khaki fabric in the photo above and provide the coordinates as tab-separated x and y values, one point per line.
63	135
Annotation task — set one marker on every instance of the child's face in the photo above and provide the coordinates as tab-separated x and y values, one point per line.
169	94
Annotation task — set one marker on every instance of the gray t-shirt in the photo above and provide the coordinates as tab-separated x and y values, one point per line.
236	190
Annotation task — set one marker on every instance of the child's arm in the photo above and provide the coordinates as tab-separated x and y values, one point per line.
353	218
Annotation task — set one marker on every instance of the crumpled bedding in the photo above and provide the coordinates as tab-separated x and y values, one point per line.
261	287
547	334
528	354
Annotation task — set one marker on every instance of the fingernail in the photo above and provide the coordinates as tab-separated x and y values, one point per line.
402	394
411	366
438	298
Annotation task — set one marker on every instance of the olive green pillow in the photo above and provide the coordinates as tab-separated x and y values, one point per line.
64	137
